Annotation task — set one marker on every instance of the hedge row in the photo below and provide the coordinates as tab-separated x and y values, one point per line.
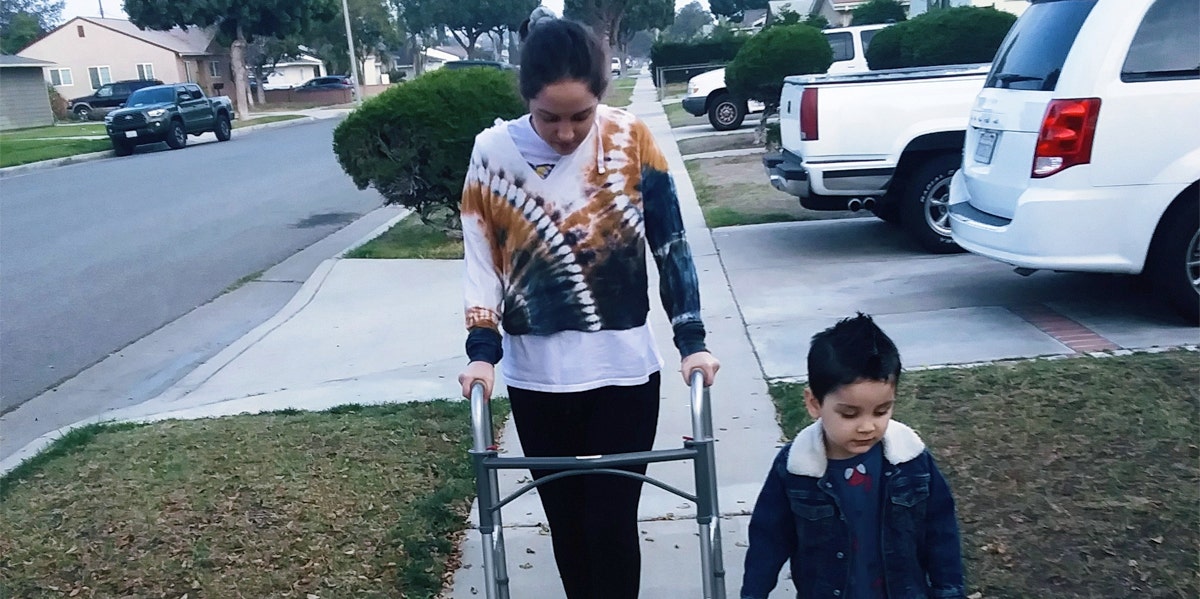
675	54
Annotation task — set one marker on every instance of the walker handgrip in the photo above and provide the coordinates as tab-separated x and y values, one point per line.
701	410
481	419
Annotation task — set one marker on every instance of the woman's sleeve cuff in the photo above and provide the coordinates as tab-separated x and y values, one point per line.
483	345
689	338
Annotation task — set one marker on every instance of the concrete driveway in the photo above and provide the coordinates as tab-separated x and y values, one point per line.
792	280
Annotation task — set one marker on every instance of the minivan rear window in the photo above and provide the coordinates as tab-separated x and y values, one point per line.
1167	43
1033	53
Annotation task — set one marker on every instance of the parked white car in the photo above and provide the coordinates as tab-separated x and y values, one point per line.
707	93
1083	151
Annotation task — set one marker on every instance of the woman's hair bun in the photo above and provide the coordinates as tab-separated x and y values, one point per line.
539	15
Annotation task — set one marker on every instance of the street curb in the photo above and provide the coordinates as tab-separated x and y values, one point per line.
217	363
21	169
380	230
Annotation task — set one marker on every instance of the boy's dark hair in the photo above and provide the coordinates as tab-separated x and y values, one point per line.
855	349
555	50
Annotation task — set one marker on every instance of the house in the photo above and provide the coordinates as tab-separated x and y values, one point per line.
845	10
753	20
804	8
24	99
90	52
1015	7
291	72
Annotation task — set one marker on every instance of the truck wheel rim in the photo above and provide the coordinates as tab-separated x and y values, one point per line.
937	207
1193	261
726	113
224	127
179	134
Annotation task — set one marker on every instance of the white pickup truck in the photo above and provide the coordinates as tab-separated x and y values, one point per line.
707	93
885	141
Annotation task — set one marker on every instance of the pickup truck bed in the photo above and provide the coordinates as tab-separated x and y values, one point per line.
885	141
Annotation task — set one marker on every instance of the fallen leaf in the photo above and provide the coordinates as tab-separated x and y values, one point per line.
529	550
1158	539
526	566
74	592
975	595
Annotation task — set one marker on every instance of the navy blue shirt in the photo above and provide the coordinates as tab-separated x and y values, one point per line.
858	484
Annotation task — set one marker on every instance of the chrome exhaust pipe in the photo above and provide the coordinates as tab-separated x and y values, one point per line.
869	204
854	205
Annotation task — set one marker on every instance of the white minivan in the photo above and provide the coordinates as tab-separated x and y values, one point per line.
1083	148
707	93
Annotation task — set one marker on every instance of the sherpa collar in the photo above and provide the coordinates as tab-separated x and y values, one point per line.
807	455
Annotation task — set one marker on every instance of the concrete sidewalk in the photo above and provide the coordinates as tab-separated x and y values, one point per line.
343	339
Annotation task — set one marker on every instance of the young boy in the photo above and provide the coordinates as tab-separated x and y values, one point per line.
855	501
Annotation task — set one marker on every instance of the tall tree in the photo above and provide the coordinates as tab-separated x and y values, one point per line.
604	16
878	11
642	15
23	22
730	9
372	24
238	20
468	20
264	53
689	22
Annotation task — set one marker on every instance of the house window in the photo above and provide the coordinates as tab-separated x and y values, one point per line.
99	76
61	77
79	30
214	68
145	71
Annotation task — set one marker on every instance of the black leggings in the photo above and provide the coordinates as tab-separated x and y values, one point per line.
593	518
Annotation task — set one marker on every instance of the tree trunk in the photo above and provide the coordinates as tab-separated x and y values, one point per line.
262	81
241	87
760	132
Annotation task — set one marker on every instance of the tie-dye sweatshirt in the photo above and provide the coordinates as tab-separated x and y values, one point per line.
568	252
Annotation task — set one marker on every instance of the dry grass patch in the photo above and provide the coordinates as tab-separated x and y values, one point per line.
717	143
735	191
352	502
1074	478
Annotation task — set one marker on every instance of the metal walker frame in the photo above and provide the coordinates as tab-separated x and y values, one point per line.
699	448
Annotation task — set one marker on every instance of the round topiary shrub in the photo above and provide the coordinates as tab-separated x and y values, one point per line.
960	35
413	142
758	70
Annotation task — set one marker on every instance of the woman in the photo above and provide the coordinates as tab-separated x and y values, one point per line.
557	210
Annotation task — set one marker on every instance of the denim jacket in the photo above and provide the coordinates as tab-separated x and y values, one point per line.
797	517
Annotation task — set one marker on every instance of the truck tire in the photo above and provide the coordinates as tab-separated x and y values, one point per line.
925	210
223	129
1174	261
83	112
726	113
122	147
176	135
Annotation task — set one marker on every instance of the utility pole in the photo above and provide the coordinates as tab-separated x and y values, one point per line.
358	92
101	8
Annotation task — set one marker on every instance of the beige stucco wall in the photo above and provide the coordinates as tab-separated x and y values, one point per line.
101	47
24	101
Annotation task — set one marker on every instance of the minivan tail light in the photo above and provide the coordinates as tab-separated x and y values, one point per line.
1065	139
808	115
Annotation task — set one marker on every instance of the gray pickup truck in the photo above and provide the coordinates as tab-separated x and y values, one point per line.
168	113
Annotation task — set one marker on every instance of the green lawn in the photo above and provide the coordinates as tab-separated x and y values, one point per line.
25	151
411	238
65	130
1073	478
350	502
620	91
679	117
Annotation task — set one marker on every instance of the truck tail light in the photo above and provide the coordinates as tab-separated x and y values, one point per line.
1065	139
808	114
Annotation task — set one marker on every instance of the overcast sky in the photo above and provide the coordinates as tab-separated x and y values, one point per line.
112	8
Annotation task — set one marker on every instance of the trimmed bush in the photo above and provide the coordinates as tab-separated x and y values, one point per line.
758	70
675	54
413	142
960	35
58	104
